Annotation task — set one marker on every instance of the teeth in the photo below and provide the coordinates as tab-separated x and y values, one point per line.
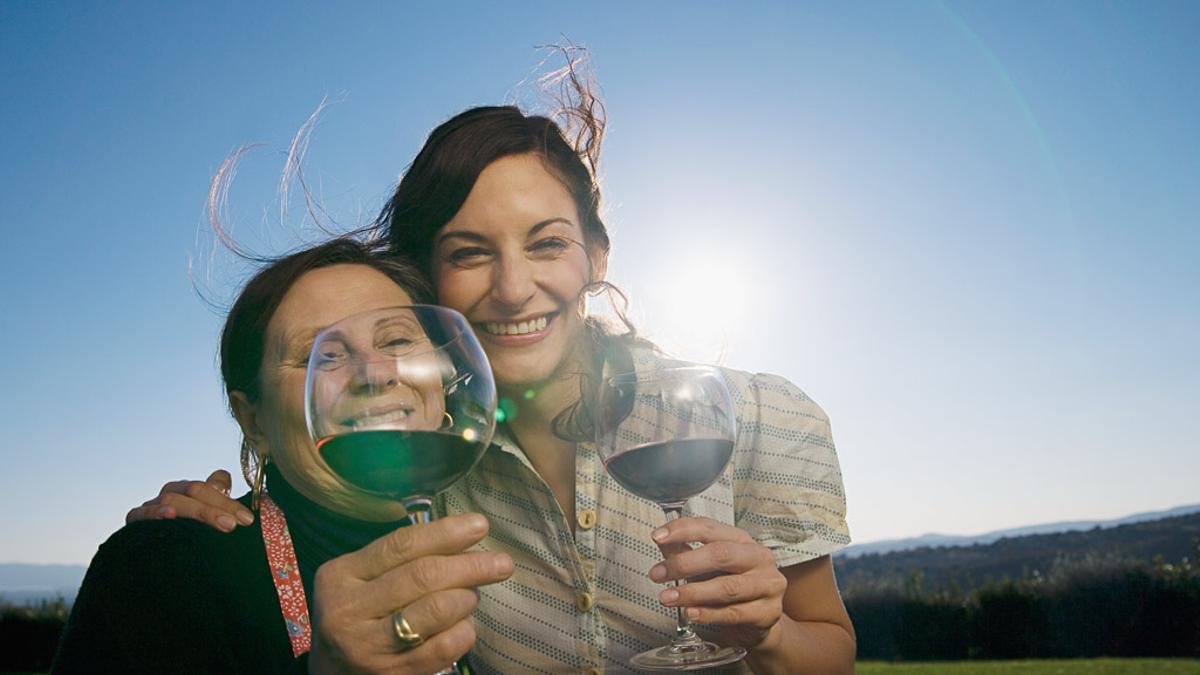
380	419
522	328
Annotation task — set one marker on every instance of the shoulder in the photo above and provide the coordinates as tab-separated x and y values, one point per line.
156	541
144	559
769	393
159	594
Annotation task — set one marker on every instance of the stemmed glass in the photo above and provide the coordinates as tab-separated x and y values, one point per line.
665	434
401	402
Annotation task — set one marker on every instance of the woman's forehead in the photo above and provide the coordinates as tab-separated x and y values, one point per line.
328	294
511	196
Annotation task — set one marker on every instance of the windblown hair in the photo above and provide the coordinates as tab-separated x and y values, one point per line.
441	176
568	141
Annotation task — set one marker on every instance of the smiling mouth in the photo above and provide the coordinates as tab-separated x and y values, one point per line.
375	417
518	327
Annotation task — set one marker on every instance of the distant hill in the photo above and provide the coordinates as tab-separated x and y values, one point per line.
23	583
1015	557
936	540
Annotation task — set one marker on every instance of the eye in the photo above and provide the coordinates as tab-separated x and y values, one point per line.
468	255
550	246
399	339
395	345
330	355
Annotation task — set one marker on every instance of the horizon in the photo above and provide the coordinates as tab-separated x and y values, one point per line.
967	231
1115	522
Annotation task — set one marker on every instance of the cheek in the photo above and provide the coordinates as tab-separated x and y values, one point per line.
460	289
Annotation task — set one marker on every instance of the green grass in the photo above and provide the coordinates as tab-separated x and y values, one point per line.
1038	667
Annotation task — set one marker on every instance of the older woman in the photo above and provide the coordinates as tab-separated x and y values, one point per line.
172	596
503	213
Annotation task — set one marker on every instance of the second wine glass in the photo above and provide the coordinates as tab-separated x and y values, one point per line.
665	435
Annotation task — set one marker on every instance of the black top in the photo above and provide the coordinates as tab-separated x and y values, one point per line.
176	596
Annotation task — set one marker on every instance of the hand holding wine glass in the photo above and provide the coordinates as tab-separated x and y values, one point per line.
401	404
666	434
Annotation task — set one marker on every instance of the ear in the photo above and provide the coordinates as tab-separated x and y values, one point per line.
599	259
246	414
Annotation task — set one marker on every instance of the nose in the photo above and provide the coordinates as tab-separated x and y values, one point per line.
513	282
374	377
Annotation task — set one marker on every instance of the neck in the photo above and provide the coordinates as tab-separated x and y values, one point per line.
532	426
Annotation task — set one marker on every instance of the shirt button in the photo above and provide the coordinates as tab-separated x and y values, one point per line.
587	519
584	601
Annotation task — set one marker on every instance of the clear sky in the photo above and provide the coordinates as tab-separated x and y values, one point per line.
968	230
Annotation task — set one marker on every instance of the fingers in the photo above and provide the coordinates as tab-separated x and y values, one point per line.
381	652
438	651
221	481
150	510
727	590
434	613
761	615
206	501
445	536
734	580
704	530
416	580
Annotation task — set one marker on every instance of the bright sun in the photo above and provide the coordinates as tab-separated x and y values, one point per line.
698	307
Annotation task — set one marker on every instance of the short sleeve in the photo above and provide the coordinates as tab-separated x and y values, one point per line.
787	484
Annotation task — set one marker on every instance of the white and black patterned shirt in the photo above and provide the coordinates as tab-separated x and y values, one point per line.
582	601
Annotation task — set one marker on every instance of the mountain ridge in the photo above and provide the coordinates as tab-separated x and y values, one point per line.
935	540
27	583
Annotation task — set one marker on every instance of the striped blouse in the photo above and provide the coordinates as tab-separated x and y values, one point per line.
582	601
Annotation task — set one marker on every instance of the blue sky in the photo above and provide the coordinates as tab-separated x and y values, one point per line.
968	230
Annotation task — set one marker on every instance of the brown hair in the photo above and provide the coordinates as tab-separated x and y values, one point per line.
441	176
244	334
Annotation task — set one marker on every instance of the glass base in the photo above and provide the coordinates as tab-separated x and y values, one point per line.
687	656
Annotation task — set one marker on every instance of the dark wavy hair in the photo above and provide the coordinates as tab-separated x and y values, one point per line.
441	176
568	141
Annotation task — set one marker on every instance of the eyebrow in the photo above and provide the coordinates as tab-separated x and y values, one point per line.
293	343
476	237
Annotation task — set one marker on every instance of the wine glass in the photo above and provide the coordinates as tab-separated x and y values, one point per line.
401	402
665	434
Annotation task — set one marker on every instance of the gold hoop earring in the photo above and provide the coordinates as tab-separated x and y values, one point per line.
448	421
256	490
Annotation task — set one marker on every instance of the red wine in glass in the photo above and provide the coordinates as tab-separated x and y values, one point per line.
666	434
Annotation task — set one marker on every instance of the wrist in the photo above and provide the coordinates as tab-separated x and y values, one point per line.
769	650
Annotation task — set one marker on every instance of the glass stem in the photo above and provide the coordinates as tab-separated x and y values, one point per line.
420	510
683	627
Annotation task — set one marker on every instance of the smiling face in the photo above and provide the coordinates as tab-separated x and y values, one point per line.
514	261
377	370
274	423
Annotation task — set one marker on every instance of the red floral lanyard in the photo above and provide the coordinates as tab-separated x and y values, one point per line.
281	555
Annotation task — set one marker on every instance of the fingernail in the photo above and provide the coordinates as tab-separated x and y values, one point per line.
692	613
226	523
164	512
660	534
658	572
245	517
476	523
669	596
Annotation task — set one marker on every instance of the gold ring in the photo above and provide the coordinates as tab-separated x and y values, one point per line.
405	635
